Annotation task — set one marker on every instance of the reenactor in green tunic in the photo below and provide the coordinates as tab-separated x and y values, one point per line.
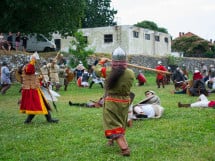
118	82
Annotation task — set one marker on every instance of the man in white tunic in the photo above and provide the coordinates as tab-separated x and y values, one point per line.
150	107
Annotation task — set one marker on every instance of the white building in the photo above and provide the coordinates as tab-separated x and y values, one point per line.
134	40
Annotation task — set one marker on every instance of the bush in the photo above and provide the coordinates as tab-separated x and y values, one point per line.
79	50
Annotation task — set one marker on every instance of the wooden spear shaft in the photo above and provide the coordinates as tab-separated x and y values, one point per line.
150	69
144	68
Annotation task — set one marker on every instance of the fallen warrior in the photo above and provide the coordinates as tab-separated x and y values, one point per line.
91	104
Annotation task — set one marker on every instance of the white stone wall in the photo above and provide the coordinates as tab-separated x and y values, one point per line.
123	37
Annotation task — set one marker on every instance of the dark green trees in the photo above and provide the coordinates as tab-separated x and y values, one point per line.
193	46
42	16
151	25
48	16
98	13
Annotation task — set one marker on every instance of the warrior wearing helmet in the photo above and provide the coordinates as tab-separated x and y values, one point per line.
119	80
53	73
160	78
33	100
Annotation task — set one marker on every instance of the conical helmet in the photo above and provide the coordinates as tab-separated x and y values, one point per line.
118	55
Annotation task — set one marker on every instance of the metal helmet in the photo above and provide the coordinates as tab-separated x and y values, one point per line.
118	55
35	56
44	62
159	62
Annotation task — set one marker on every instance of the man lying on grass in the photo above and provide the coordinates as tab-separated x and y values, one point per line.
202	102
91	104
150	107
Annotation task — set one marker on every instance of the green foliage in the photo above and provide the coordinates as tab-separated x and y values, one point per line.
98	13
79	50
151	25
181	134
172	60
191	45
30	16
161	29
213	48
209	54
49	16
147	24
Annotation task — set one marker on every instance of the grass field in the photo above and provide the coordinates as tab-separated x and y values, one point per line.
182	134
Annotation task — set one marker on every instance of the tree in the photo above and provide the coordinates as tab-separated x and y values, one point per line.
43	16
98	13
151	25
79	50
161	29
192	45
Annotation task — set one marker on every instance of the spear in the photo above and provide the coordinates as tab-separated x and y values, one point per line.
150	69
141	67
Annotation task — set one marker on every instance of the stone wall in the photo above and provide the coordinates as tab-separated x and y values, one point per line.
190	63
15	60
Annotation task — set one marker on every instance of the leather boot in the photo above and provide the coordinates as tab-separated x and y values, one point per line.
91	84
50	119
183	105
101	85
121	141
29	119
77	104
129	123
65	88
158	83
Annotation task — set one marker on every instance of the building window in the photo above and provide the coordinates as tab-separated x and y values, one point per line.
135	34
166	39
157	38
147	36
108	38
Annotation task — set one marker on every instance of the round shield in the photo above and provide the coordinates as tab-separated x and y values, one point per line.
79	82
70	76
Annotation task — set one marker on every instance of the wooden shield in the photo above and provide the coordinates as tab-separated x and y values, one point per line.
70	76
190	84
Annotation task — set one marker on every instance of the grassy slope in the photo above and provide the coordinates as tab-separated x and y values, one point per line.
181	134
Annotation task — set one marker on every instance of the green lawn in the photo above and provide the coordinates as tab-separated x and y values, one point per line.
182	134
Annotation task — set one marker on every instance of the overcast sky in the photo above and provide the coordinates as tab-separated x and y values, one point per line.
196	16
